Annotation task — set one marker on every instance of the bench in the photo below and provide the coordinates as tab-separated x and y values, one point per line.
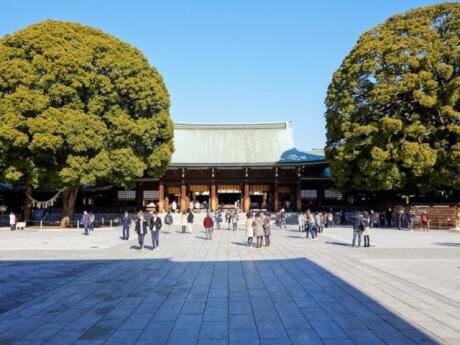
20	225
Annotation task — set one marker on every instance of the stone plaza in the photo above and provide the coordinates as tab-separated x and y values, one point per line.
59	287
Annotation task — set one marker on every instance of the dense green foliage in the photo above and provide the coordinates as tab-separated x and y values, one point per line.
78	106
393	109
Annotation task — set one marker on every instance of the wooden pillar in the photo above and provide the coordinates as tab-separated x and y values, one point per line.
276	198
183	197
161	196
213	193
139	196
298	197
246	198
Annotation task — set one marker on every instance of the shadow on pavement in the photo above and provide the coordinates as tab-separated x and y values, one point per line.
161	301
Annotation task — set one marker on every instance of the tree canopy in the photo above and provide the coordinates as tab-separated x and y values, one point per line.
393	109
78	106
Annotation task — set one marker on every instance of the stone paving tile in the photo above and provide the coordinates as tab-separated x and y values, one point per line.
216	292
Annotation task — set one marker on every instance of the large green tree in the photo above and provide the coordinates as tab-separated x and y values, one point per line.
393	109
78	106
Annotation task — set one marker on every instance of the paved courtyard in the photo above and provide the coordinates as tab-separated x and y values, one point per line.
65	288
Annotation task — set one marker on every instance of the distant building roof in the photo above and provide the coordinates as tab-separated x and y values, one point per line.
237	143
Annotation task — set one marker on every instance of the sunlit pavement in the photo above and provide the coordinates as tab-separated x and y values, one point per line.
67	288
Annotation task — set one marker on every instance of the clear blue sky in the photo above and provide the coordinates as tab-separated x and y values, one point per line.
231	61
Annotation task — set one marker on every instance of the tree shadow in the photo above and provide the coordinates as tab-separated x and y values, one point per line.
164	301
448	244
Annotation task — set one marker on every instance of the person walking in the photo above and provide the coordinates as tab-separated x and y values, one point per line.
155	227
168	220
357	230
141	229
310	223
409	220
183	221
190	217
12	221
301	221
366	229
125	223
250	228
85	222
267	229
208	225
258	230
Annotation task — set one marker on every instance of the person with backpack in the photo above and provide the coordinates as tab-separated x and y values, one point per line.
168	220
357	230
208	225
365	226
155	227
190	217
141	229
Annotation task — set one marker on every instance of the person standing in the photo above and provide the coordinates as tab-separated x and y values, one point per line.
267	230
310	223
409	220
183	221
389	216
330	219
12	221
400	218
357	230
424	220
218	219
155	227
208	224
92	218
190	217
235	220
318	222
250	228
125	223
228	218
141	229
283	218
301	221
258	230
366	229
85	222
168	220
174	206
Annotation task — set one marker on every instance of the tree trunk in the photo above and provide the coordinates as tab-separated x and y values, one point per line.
68	205
27	202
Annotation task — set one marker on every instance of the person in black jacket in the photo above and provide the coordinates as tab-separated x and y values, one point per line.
155	226
141	229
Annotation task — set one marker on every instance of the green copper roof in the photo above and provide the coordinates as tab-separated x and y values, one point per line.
237	143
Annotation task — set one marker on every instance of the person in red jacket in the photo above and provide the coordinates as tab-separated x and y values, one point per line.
208	224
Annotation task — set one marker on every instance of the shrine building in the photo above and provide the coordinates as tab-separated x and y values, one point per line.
218	164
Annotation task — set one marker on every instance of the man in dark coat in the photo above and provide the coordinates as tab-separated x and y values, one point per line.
155	226
125	223
141	229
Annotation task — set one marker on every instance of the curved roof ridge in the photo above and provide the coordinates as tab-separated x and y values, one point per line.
236	125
